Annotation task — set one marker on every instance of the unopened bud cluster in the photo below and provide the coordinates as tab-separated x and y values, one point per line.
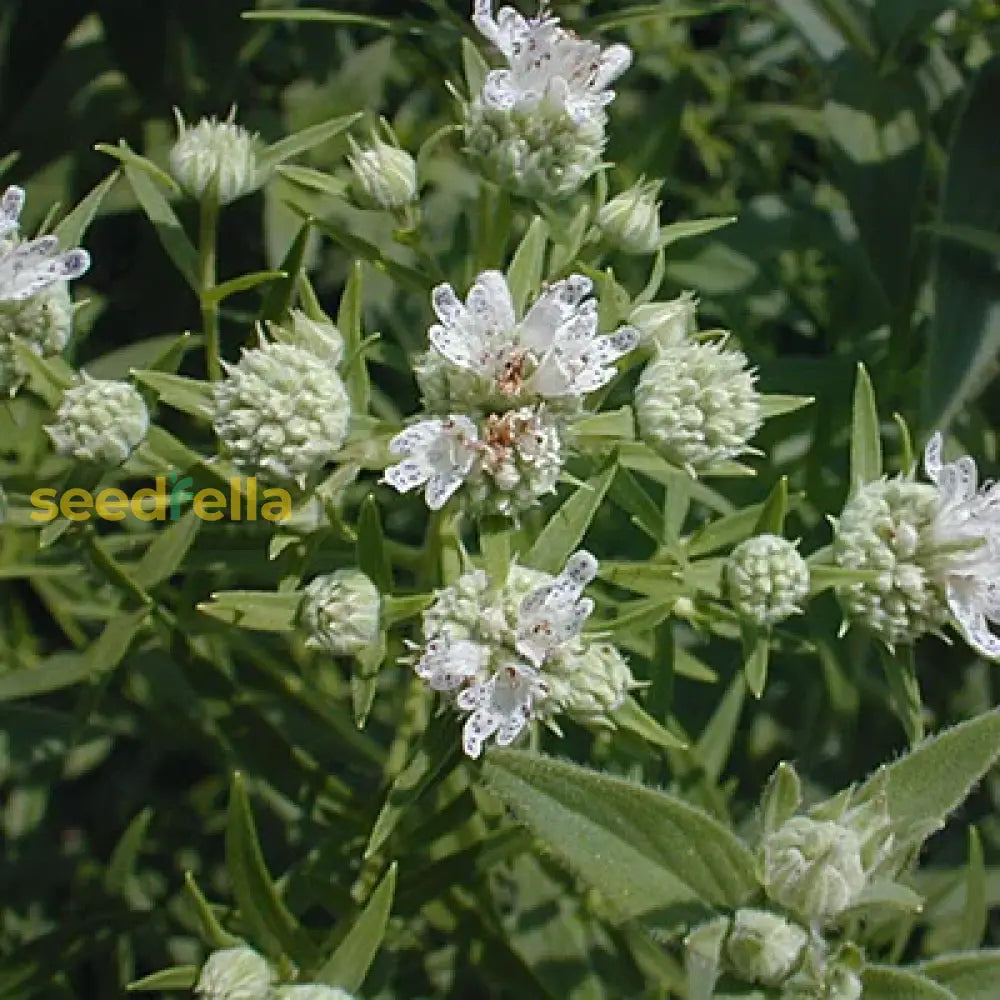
886	528
240	973
283	411
42	323
214	152
631	221
697	404
763	947
663	324
340	612
767	579
99	421
384	174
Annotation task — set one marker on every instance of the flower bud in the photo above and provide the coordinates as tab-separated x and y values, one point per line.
662	324
384	174
766	579
42	322
763	947
99	421
213	151
535	151
814	868
631	221
340	612
235	974
697	404
886	527
282	411
596	683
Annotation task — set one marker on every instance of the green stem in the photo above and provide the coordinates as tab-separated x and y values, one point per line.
207	233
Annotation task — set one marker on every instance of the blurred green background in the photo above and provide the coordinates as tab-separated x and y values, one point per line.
858	144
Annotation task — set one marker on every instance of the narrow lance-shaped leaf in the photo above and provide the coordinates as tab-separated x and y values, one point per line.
866	442
646	851
349	964
971	975
527	267
886	983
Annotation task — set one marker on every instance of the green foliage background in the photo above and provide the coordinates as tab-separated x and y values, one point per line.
857	144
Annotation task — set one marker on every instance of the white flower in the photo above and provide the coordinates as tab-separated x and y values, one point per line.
235	974
966	532
547	63
439	454
27	268
553	352
554	613
506	655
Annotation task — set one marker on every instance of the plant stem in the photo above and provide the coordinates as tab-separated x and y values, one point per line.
207	233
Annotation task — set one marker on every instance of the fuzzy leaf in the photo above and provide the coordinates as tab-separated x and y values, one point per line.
258	610
527	267
646	851
180	977
971	975
188	395
886	983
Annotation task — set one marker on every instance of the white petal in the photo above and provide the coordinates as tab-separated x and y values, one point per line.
30	267
608	349
447	305
958	480
614	61
581	569
499	90
454	344
490	302
441	487
11	205
932	456
407	475
419	436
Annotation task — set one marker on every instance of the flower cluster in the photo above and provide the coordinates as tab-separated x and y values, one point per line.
503	387
100	421
507	655
35	305
283	410
767	579
216	153
340	612
538	125
934	552
240	973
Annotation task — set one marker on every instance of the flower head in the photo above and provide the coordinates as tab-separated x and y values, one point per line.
763	947
283	410
340	612
553	353
663	324
100	421
385	174
697	403
215	151
767	579
545	62
235	974
507	655
28	267
966	534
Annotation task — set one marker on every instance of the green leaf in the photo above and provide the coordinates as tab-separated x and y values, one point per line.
259	610
212	931
822	576
756	651
935	777
402	26
475	66
349	964
715	744
703	957
564	531
645	851
528	265
180	977
301	142
821	36
775	510
168	227
634	719
968	236
782	797
904	690
657	11
866	441
166	554
616	425
349	322
71	229
972	975
437	750
964	334
274	927
373	559
278	300
774	405
495	537
692	227
975	916
188	395
48	378
121	867
885	983
243	283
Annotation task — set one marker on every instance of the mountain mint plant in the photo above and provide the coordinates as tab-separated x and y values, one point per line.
412	589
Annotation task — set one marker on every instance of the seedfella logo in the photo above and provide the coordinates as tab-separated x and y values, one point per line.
244	502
